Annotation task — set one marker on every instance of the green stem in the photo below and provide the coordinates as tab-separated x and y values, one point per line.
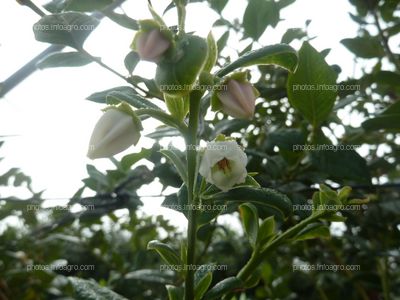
257	257
191	143
181	17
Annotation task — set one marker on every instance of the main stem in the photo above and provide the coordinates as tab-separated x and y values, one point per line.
191	145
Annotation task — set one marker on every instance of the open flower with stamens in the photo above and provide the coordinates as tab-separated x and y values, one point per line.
224	164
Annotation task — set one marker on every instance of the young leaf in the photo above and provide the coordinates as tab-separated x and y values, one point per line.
166	252
311	88
202	282
249	216
68	29
266	230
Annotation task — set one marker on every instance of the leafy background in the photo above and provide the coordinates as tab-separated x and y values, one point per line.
116	242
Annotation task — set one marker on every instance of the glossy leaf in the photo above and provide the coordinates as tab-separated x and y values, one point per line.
223	287
90	290
268	202
281	55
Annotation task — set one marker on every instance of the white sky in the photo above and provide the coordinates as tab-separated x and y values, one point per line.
52	120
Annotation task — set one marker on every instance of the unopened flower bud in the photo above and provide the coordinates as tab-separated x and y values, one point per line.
151	45
239	99
117	129
224	164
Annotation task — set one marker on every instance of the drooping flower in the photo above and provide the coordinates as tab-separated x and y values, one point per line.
151	45
239	99
117	129
224	164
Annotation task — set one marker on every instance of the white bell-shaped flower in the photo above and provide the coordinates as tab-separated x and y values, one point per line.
224	164
117	129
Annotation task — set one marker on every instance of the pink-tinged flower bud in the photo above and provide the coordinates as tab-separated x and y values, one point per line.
239	99
152	45
223	164
117	129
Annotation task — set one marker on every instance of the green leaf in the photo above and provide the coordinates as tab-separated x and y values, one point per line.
293	34
266	230
313	231
258	15
128	160
179	164
389	119
86	5
364	47
64	59
218	5
123	20
132	98
153	276
131	60
174	292
304	91
249	216
280	55
166	252
341	164
221	43
68	29
90	290
223	287
202	282
268	202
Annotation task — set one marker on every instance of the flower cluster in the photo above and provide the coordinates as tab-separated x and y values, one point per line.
182	60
